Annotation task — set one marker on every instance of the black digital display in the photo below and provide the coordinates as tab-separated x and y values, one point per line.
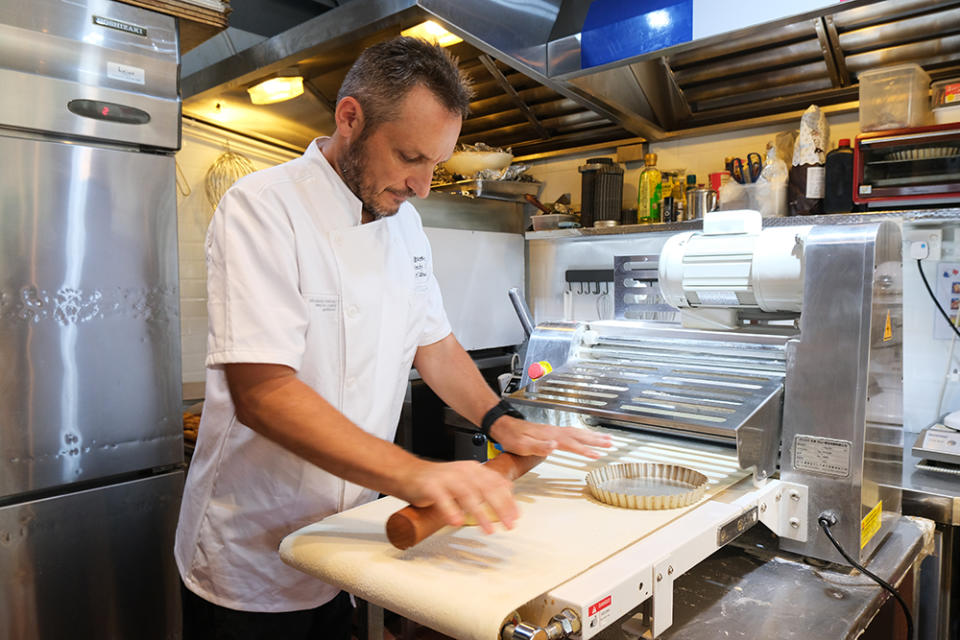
110	111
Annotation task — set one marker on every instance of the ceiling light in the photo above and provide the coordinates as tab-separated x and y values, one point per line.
276	90
658	19
432	32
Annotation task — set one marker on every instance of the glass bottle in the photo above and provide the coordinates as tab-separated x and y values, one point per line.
838	179
650	192
666	200
679	200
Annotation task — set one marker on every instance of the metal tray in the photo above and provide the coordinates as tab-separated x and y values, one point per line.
495	189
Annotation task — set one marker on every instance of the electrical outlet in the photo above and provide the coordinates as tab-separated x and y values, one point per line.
932	237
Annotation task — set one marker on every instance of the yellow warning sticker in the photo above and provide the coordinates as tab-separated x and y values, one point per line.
870	524
887	329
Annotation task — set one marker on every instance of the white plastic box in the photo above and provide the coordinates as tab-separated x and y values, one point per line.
894	98
945	98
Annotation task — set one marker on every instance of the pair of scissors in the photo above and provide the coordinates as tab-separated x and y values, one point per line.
746	171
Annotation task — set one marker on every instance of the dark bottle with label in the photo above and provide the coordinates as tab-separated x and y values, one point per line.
805	189
838	188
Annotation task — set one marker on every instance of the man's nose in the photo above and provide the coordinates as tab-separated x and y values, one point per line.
420	181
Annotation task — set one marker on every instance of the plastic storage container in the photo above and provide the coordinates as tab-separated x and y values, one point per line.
945	98
547	221
769	198
894	98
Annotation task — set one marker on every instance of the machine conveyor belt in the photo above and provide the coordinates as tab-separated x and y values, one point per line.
464	583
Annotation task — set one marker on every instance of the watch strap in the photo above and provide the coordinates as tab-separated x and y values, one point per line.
496	412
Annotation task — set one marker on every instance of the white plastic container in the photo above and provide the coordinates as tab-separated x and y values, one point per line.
894	98
945	98
770	199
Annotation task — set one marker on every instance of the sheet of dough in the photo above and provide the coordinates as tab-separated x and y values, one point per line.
462	582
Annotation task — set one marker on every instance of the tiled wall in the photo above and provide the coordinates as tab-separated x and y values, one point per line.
700	155
201	147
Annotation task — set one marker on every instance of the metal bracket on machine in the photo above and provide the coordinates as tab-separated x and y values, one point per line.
783	509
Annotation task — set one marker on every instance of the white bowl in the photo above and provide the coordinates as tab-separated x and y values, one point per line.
468	163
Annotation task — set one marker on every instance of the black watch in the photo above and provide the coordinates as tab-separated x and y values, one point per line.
499	410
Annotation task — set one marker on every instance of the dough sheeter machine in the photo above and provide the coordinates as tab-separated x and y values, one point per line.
769	386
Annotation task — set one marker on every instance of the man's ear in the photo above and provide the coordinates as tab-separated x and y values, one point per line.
349	118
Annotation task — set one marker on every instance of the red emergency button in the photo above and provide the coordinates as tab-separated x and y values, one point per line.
539	369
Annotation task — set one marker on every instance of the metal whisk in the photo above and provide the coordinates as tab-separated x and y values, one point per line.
225	170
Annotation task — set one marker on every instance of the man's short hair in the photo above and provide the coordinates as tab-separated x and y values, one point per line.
387	71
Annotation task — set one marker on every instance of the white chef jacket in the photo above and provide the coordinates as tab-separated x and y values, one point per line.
294	278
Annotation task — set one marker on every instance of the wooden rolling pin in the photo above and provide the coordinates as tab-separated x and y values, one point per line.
412	524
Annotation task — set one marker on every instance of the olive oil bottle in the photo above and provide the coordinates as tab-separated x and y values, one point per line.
650	192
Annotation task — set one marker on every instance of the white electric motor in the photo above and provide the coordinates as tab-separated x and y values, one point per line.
734	264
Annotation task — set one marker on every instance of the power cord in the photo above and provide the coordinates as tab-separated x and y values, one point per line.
933	297
826	522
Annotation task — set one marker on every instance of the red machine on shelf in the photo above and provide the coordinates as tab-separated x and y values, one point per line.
902	166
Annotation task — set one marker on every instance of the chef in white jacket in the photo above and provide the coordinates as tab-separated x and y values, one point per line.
321	295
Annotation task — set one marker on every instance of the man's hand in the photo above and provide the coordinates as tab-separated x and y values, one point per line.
535	439
453	375
461	488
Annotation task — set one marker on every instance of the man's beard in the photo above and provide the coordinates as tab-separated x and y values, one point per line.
352	165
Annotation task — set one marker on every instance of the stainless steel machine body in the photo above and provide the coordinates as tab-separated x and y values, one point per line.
803	394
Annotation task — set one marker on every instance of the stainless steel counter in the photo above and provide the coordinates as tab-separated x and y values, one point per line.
751	590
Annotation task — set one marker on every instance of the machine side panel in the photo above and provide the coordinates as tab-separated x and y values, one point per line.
824	443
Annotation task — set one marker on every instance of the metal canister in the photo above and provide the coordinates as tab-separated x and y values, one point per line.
700	201
601	192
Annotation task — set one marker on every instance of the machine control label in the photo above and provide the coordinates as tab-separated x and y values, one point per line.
822	455
597	607
600	613
870	524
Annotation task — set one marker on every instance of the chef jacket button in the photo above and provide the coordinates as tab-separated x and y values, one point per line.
353	311
350	382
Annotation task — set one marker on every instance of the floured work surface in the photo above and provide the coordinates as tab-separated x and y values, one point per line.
463	582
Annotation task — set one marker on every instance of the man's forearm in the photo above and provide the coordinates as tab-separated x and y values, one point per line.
453	375
272	401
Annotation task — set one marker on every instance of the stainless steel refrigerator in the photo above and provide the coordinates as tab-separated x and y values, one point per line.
90	395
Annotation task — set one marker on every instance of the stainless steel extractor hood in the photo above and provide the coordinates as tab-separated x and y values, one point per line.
539	87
